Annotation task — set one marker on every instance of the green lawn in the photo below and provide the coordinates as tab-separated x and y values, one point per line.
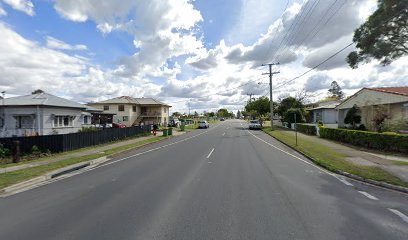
25	160
399	163
10	178
333	160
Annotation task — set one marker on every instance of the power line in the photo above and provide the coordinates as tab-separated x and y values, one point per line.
318	65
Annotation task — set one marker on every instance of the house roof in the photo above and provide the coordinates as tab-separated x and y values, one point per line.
329	106
385	95
42	99
393	90
131	100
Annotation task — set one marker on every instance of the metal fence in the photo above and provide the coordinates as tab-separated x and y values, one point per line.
72	141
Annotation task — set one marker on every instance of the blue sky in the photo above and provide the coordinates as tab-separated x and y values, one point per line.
180	51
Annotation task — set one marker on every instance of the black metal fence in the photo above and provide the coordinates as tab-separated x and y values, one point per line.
72	141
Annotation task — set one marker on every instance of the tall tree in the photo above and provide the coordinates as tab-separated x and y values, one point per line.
288	103
335	91
260	106
353	116
37	91
223	112
384	36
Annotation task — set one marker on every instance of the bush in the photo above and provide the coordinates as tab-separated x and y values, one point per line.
4	152
373	140
307	129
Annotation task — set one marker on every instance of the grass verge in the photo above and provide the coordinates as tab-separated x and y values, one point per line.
399	163
10	178
25	160
333	160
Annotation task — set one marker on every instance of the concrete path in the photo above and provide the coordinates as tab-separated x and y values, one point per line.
77	153
364	158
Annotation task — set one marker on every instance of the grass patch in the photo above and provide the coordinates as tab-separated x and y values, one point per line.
399	163
333	160
10	178
25	160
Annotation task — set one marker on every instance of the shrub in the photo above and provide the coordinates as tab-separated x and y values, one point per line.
307	129
4	152
373	140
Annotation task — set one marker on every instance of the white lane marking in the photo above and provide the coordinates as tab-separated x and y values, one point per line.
399	214
311	164
209	162
157	148
212	150
343	180
223	134
368	195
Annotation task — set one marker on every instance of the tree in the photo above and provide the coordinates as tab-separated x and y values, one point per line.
384	36
223	112
353	116
176	114
290	115
239	114
288	103
335	91
37	91
380	115
260	106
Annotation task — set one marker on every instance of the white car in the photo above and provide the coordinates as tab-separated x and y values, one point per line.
203	124
254	124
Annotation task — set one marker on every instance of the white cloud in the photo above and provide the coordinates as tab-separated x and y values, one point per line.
58	44
2	11
25	6
162	30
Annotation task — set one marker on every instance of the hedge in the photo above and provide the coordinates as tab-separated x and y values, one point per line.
373	140
307	129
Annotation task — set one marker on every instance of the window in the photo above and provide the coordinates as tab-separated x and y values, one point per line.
121	108
106	108
125	118
24	122
63	121
165	110
85	119
134	108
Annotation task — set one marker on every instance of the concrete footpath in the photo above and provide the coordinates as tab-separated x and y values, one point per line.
386	161
79	153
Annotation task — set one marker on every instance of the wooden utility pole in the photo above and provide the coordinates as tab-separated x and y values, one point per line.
271	73
250	97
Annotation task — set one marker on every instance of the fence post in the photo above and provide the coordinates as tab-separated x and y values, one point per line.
16	151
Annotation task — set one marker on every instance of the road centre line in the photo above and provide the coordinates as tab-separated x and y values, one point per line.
399	214
311	164
223	134
368	195
157	148
212	150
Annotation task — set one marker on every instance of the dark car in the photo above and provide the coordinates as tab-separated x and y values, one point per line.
118	125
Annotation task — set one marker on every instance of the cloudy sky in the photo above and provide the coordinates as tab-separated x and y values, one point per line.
205	54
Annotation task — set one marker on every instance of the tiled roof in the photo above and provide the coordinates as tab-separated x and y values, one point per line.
131	100
393	90
42	99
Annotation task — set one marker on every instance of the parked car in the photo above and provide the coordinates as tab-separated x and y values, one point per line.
254	124
118	125
203	124
222	119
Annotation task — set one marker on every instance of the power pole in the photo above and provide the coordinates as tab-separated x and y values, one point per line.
250	97
271	73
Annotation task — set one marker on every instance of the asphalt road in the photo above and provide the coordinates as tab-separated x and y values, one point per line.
222	183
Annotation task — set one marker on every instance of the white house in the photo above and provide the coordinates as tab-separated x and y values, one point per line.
41	114
135	111
393	99
325	112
